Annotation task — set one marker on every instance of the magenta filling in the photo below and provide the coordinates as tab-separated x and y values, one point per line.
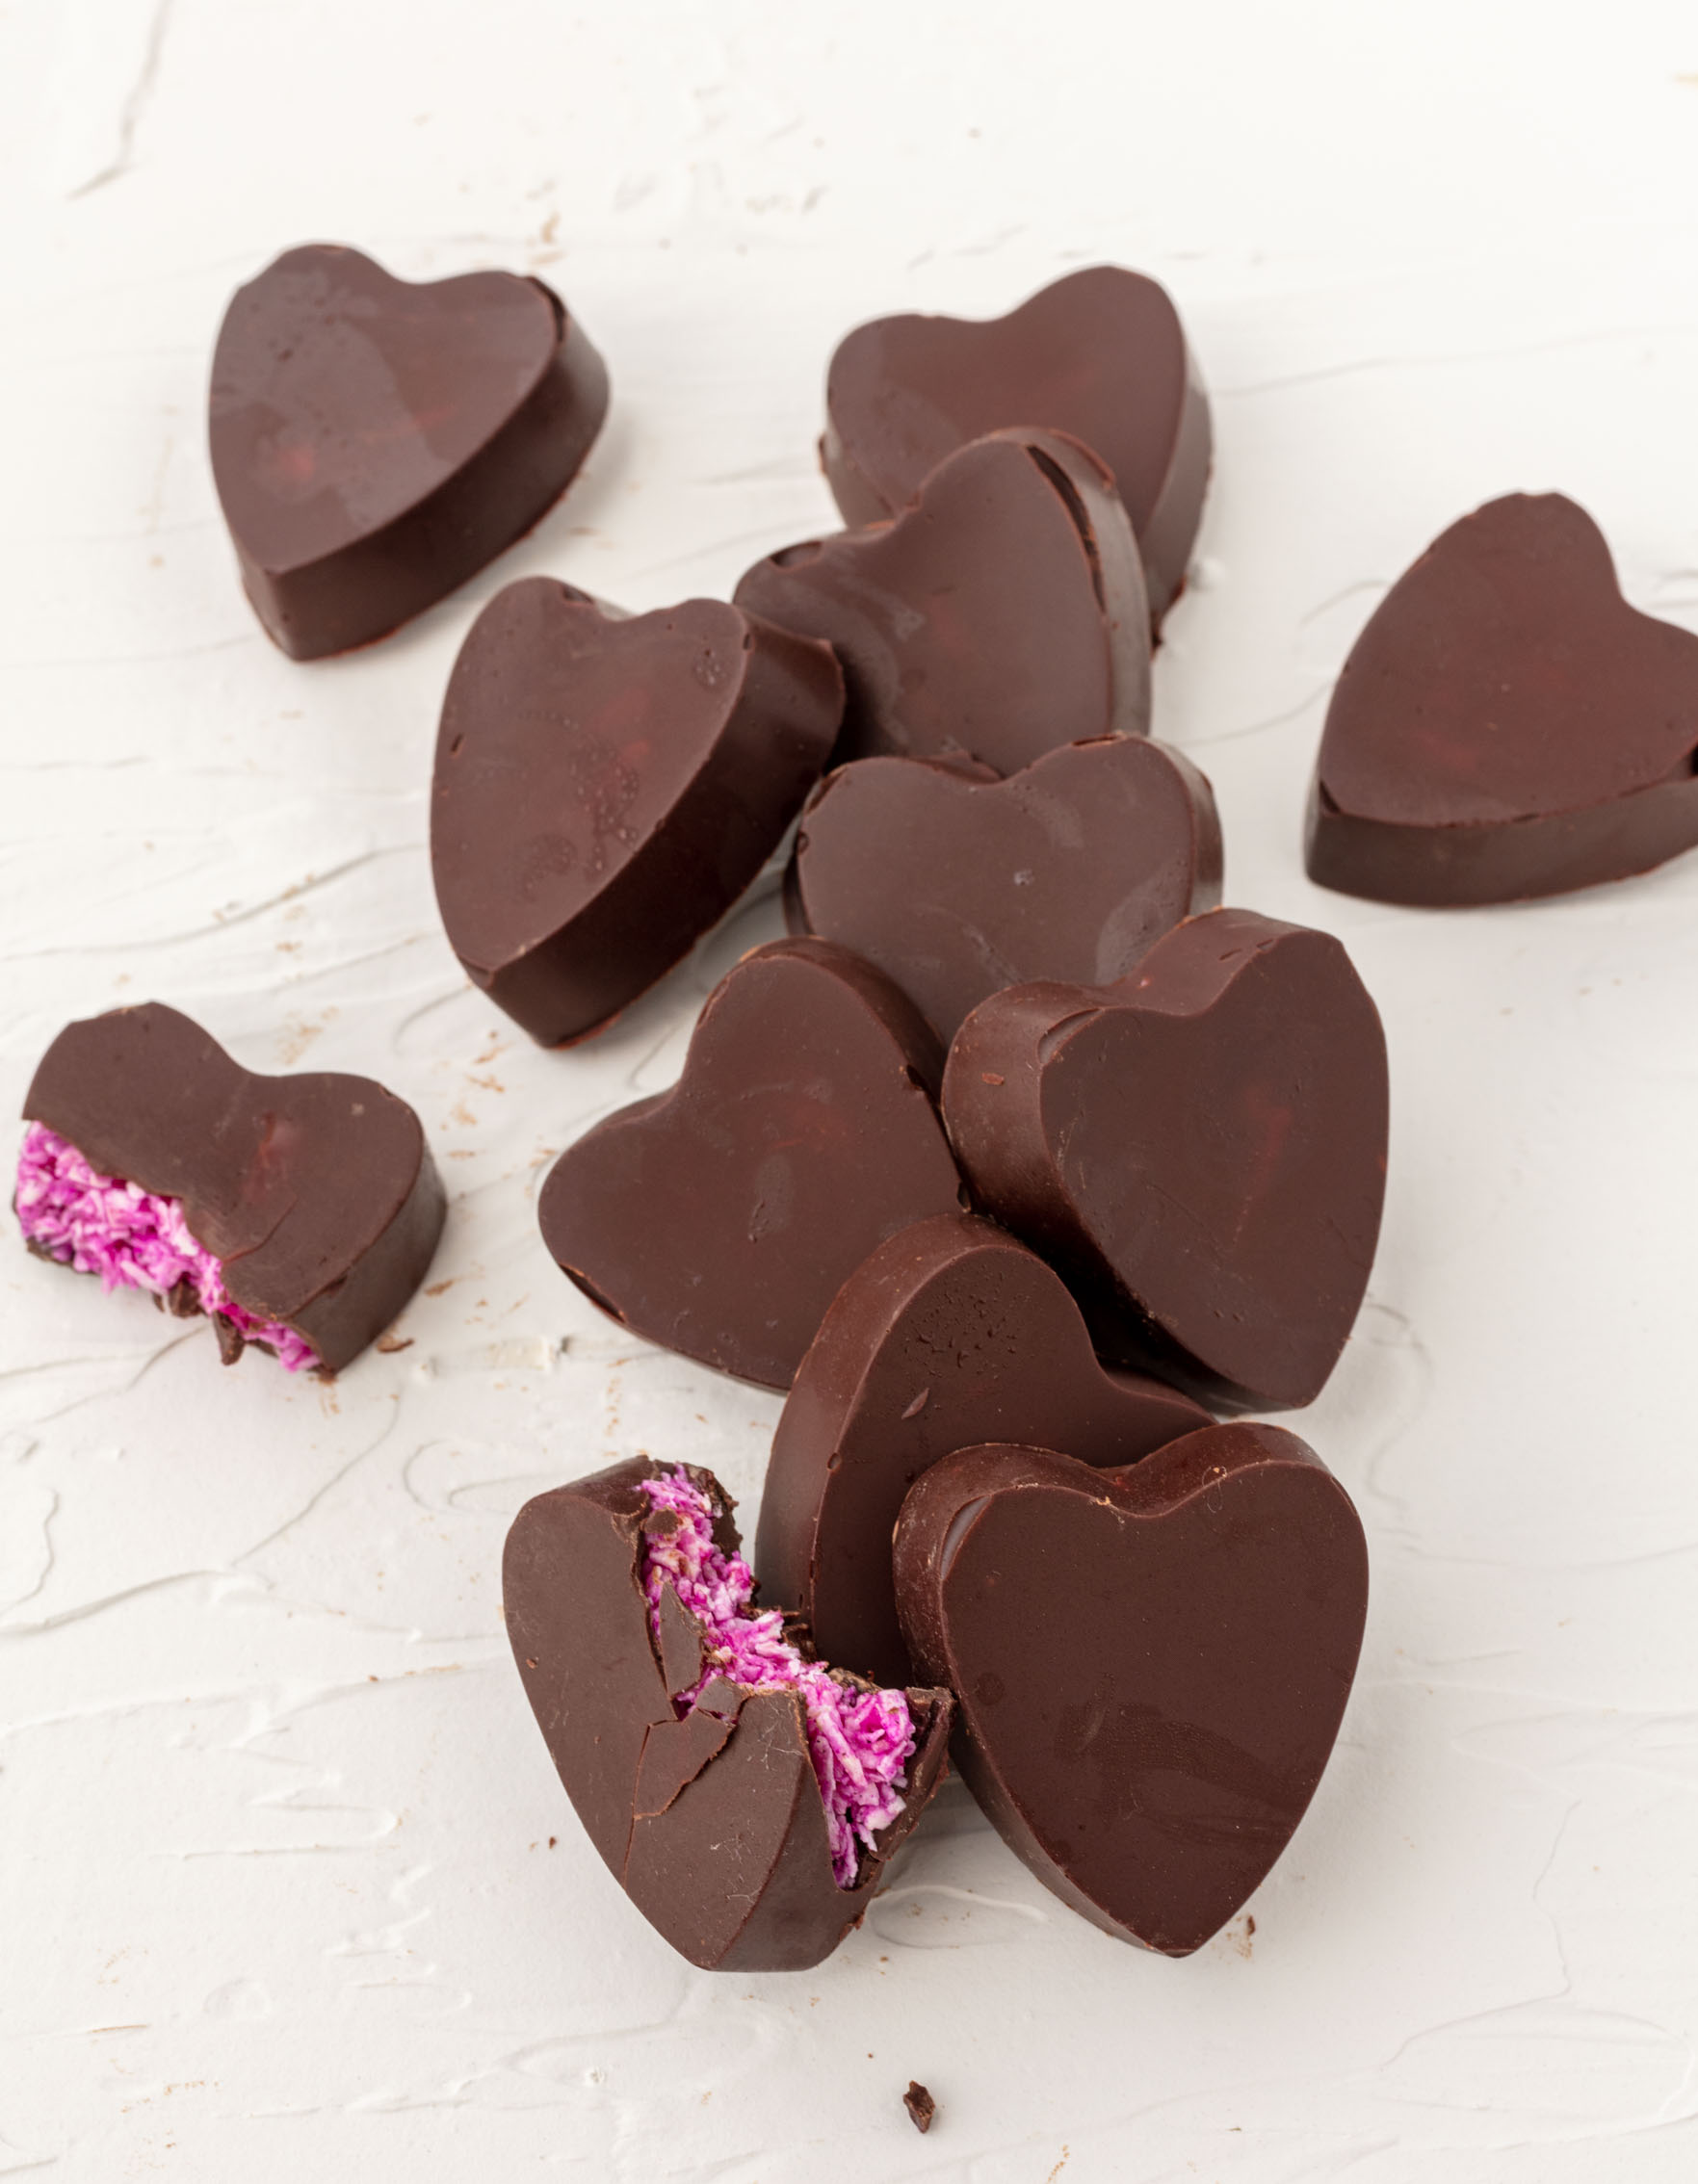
132	1238
860	1741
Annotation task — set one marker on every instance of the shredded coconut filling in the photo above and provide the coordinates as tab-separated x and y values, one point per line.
860	1741
132	1238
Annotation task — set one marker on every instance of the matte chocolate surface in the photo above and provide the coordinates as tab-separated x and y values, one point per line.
720	1218
1098	353
606	788
376	441
712	1824
955	886
999	617
1507	725
1150	1665
1199	1149
950	1334
317	1193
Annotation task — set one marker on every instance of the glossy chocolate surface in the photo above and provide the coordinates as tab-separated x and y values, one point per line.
606	787
376	441
1507	725
1151	1665
1200	1150
950	1334
317	1193
999	617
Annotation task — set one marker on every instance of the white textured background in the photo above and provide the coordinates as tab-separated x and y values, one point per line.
280	1890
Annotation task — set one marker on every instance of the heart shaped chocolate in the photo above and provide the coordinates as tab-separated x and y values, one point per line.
999	617
1507	725
606	788
376	441
720	1218
1150	1665
1098	353
1200	1150
956	886
298	1213
745	1799
950	1334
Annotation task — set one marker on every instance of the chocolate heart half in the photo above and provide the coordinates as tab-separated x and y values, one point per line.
720	1218
606	788
1072	869
298	1213
951	1333
1507	725
1200	1150
999	617
1150	1665
374	442
1098	353
745	1798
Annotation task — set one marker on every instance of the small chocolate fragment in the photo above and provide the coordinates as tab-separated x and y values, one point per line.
712	1820
1507	725
920	2105
1200	1150
950	1334
1150	1664
376	441
957	887
999	616
720	1218
316	1195
1098	353
606	788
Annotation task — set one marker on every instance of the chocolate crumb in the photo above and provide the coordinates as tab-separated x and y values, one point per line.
230	1340
920	2105
389	1344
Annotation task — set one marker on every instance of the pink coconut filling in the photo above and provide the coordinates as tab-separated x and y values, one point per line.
860	1741
132	1238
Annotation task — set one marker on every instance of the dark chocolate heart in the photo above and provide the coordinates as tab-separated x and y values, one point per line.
720	1218
1507	725
1098	353
1200	1148
316	1194
376	441
713	1821
999	616
952	1333
1150	1665
957	887
606	789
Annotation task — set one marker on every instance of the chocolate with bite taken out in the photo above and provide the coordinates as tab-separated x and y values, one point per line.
999	616
606	787
1098	353
720	1218
951	1333
958	886
713	1823
376	441
1507	725
316	1193
1150	1665
1199	1149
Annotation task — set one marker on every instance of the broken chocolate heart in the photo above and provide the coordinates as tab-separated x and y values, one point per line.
1100	354
298	1213
606	788
999	617
952	1333
745	1798
720	1218
1200	1150
374	442
957	887
1507	725
1150	1665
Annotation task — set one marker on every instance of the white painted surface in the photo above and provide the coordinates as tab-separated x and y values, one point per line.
278	1893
